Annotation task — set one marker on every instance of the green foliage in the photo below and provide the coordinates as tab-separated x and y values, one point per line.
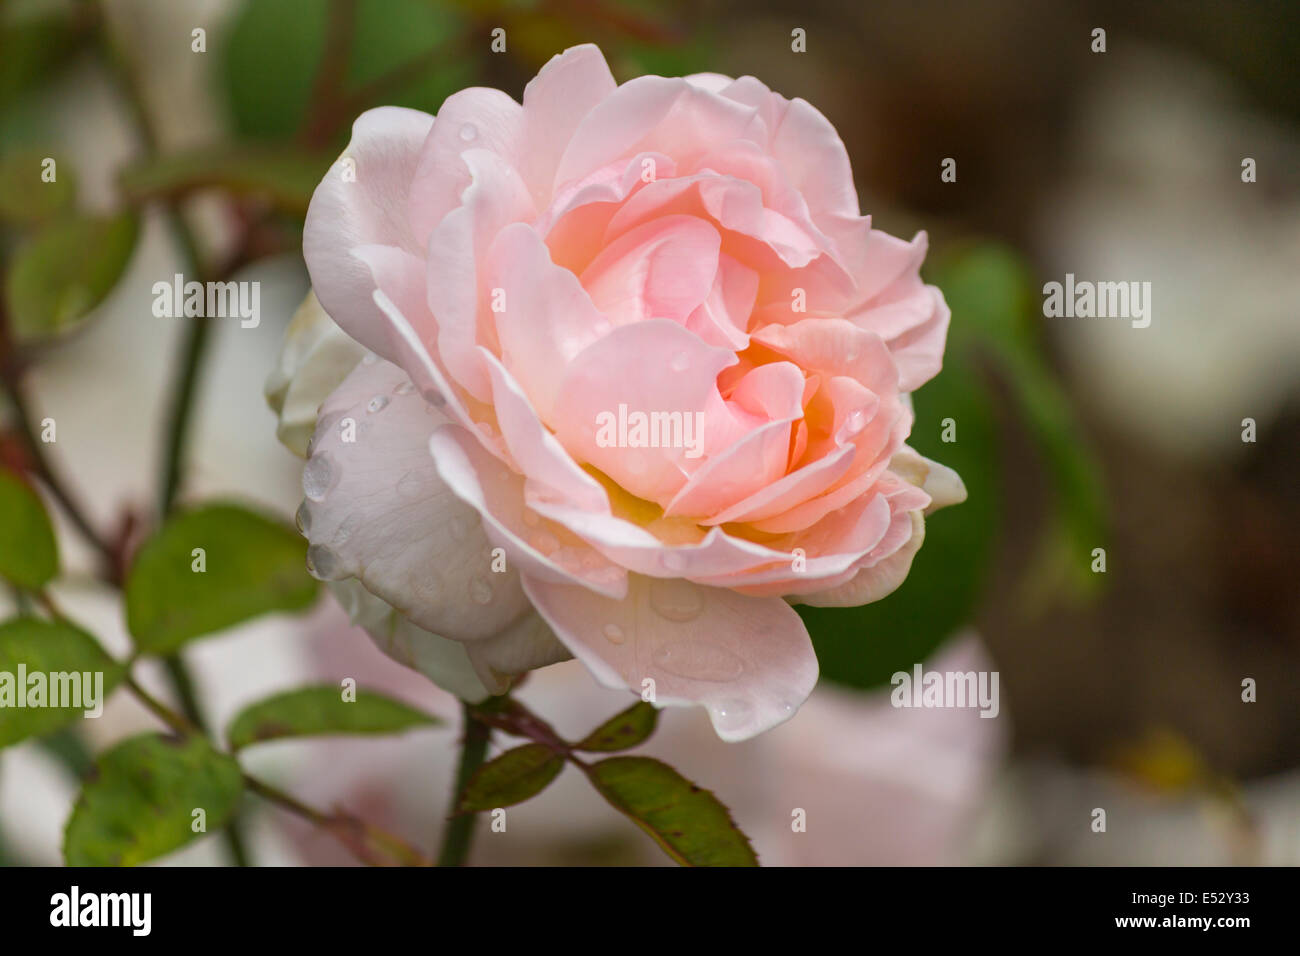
251	565
29	555
992	336
275	48
142	801
48	648
286	178
320	711
511	778
66	270
25	198
33	47
622	731
689	823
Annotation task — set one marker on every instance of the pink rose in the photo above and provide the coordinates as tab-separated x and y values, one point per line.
638	382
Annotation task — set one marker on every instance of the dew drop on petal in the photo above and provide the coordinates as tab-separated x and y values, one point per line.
699	660
324	563
468	133
459	527
302	518
680	362
377	404
614	634
673	561
480	591
733	714
317	477
676	600
403	387
544	542
410	487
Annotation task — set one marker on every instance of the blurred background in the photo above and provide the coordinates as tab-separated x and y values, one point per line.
1121	690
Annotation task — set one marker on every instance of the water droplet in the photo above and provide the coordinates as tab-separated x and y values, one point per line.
605	574
676	600
459	527
487	429
369	359
480	591
324	563
733	714
377	404
429	588
468	133
699	660
410	487
302	518
545	542
403	388
318	477
853	424
680	362
614	634
673	561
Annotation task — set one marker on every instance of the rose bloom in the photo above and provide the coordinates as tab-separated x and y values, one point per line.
503	282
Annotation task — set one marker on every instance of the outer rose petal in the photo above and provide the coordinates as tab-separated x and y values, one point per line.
881	579
443	661
377	510
316	357
368	208
749	661
941	483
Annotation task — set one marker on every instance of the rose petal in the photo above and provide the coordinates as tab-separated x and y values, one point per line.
443	661
314	360
377	510
548	317
747	660
564	91
367	208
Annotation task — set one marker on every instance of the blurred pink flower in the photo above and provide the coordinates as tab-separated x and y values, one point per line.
638	381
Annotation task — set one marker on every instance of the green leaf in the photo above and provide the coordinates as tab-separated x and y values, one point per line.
689	823
29	555
251	565
35	46
622	731
511	778
318	711
275	50
64	272
141	802
25	198
1002	320
62	656
286	179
